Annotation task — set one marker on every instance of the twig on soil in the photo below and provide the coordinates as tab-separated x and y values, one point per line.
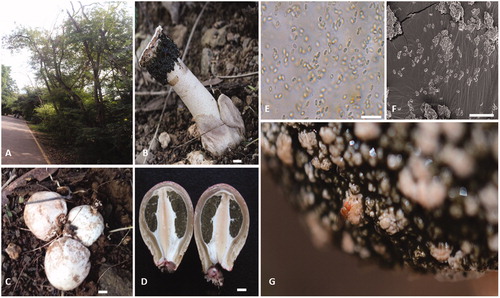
192	31
121	229
46	244
152	93
252	110
170	88
19	277
121	241
11	177
239	75
99	186
193	139
110	268
39	174
252	142
51	199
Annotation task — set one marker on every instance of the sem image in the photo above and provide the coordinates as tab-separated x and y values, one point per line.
322	60
388	208
442	60
197	232
67	232
196	83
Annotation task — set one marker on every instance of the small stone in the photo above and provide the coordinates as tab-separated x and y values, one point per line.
237	102
229	68
246	42
206	59
193	131
198	158
178	34
173	9
214	37
164	139
233	37
13	250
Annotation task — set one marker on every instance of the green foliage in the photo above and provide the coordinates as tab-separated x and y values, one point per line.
9	90
84	74
25	105
45	114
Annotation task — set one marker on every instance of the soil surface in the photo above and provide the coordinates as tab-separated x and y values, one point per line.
55	154
224	43
111	255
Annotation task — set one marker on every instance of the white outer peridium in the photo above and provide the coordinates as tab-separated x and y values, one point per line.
163	243
43	219
222	249
88	222
67	263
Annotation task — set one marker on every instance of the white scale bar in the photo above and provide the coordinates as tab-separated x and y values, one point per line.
481	115
237	161
102	292
371	117
241	289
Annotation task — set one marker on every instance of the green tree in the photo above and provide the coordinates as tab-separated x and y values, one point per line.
84	68
9	90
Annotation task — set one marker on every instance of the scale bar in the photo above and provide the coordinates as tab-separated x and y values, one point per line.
241	289
481	115
102	292
237	161
371	117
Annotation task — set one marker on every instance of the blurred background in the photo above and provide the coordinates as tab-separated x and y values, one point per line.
298	268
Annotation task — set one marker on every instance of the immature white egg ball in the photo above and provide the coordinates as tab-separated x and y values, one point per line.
45	219
88	222
67	263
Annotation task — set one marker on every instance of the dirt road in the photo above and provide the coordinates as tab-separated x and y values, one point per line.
19	146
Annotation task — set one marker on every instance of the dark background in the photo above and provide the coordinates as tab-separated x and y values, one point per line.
189	278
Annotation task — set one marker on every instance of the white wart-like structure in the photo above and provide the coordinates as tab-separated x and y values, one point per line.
422	196
166	224
219	122
221	223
